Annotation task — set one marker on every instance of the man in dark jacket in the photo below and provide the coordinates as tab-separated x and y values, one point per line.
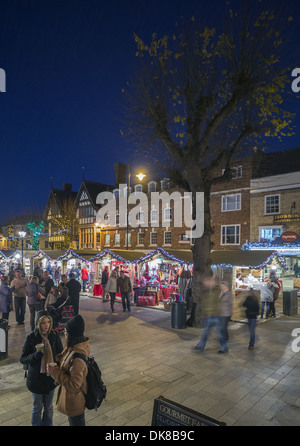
124	284
104	280
40	347
74	288
47	283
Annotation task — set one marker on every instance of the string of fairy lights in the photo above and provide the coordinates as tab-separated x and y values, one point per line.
70	253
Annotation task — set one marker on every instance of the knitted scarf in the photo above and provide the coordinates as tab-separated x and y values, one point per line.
47	356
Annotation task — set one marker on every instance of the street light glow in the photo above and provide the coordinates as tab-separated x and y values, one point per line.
140	176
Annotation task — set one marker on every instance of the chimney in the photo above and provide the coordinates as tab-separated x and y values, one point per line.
67	186
120	174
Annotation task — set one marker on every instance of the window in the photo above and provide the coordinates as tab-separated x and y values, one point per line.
272	204
141	238
117	239
129	239
138	188
152	186
231	202
183	238
141	217
167	237
167	214
154	216
165	184
237	172
153	238
117	219
107	239
116	193
230	235
269	234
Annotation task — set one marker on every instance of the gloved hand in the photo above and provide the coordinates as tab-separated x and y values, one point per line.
37	355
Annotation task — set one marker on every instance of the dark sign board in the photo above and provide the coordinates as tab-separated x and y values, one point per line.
169	413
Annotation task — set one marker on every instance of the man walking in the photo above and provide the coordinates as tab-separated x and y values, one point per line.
19	291
211	312
74	288
125	287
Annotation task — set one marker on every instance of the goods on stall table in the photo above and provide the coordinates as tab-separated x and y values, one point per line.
146	300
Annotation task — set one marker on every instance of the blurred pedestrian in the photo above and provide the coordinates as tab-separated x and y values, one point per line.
266	295
276	285
40	347
226	307
211	314
6	304
252	311
18	285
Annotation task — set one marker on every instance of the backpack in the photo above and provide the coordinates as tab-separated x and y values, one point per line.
96	389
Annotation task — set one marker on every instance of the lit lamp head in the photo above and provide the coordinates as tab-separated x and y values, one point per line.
140	176
22	234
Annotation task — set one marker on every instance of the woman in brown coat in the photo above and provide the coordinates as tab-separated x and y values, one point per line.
72	377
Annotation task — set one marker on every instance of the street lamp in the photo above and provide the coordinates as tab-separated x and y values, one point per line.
140	176
22	234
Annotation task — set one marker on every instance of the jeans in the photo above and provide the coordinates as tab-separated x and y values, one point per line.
209	323
263	308
125	296
20	308
41	401
112	299
79	420
84	281
224	324
252	325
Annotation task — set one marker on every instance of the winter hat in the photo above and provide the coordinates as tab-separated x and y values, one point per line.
75	326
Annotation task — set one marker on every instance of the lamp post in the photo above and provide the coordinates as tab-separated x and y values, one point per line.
22	234
140	176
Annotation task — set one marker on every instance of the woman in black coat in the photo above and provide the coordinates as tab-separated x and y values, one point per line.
34	360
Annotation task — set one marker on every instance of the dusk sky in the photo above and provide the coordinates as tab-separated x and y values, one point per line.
66	62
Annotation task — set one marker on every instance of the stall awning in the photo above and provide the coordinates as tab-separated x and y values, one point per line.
3	255
174	256
118	254
247	259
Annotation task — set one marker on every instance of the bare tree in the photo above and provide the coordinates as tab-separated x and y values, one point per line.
201	97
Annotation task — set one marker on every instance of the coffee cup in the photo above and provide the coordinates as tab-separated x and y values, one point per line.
40	347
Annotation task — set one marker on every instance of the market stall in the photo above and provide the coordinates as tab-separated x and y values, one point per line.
252	266
162	277
119	260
